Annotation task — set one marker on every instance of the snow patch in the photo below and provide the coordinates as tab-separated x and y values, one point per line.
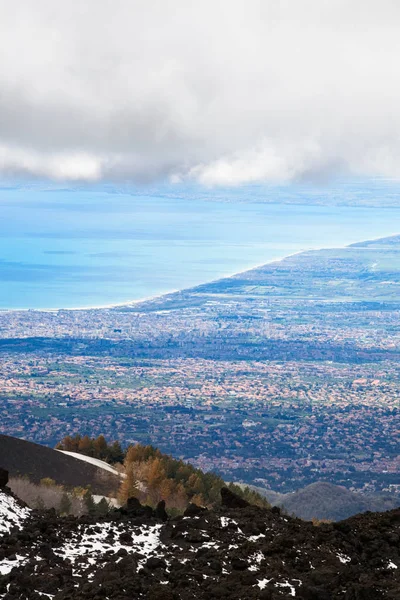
343	558
93	461
11	513
255	559
210	545
289	585
93	544
7	565
255	538
262	583
226	520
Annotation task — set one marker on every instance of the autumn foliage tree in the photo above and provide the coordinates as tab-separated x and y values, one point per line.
94	447
152	476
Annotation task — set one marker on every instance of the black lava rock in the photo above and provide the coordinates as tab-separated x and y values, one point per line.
160	511
231	500
193	510
239	564
155	563
232	552
133	504
3	477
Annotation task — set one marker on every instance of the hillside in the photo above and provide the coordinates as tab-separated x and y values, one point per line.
66	477
322	500
23	458
101	464
234	551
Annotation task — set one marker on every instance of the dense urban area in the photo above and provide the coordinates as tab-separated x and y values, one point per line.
278	377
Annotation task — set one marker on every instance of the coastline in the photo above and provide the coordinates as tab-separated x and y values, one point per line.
132	303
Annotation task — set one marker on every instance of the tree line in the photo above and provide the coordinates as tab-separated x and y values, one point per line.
94	447
151	476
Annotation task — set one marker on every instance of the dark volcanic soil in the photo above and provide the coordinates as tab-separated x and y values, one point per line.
24	458
231	552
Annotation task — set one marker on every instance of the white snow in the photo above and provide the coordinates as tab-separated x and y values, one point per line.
226	520
11	513
93	461
255	538
145	540
263	582
343	558
289	585
210	545
7	565
292	589
255	560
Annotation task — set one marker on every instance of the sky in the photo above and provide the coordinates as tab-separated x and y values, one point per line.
219	93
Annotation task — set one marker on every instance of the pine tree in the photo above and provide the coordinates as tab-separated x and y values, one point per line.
155	473
102	507
100	447
89	502
195	484
85	446
116	454
128	487
65	505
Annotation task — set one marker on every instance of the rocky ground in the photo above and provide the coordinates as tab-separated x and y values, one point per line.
236	551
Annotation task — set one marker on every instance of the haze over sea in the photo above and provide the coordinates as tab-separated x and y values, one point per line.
64	249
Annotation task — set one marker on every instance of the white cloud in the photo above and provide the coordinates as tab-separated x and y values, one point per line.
222	91
61	166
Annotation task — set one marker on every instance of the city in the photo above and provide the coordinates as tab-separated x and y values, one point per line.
283	375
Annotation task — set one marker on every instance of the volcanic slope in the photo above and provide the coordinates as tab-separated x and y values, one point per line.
26	459
236	551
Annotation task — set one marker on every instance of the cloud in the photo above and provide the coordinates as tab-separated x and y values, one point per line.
223	92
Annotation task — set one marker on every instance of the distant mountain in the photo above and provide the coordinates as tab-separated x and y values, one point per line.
235	551
322	500
23	458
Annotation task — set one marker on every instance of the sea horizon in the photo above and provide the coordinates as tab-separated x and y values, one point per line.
77	250
175	291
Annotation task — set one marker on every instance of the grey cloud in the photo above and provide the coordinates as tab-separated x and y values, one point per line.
224	92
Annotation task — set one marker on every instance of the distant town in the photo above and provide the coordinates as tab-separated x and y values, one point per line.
279	377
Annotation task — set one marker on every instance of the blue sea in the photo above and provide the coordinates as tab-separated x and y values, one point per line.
90	248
